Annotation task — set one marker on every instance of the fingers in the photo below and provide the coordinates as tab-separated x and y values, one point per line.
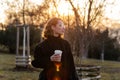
55	57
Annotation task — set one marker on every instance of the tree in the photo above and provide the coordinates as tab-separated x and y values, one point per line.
84	32
115	33
10	39
105	45
26	11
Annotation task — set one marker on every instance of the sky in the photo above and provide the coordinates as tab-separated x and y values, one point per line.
112	12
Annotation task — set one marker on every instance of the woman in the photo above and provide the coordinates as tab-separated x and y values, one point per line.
45	58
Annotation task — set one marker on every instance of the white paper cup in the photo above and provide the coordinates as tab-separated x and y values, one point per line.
58	52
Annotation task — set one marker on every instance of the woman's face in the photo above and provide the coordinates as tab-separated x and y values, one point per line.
59	29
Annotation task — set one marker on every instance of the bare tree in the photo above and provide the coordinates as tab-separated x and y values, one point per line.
84	32
26	11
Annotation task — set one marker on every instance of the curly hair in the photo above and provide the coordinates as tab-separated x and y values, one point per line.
47	31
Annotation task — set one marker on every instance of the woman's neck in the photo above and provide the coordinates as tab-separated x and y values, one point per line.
56	35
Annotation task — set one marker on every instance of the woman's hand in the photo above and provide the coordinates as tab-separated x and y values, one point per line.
55	57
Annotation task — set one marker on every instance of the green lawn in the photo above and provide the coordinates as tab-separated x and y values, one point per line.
7	72
110	69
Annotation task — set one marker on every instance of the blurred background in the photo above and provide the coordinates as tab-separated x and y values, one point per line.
92	29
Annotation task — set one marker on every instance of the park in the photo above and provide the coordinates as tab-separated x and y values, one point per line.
91	28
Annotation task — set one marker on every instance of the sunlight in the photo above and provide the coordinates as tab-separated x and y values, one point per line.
64	8
113	11
38	2
3	17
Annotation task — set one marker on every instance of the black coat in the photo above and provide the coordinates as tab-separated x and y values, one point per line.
44	50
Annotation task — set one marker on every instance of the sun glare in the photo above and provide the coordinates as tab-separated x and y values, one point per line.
64	8
38	2
113	11
2	15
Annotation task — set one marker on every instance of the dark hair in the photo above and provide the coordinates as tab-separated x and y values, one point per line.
47	29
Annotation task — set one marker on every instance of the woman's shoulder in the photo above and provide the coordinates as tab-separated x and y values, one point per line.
66	42
41	44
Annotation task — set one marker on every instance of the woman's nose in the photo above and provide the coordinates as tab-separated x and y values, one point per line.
63	27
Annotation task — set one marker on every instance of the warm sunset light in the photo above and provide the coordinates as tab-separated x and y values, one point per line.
2	16
59	39
64	8
38	2
113	11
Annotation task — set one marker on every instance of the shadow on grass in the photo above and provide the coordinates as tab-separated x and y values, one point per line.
21	69
1	76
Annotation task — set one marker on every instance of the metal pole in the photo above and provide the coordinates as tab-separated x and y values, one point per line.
28	41
17	42
24	31
28	46
24	41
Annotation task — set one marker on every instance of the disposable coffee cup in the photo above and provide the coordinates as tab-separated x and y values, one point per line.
58	62
58	52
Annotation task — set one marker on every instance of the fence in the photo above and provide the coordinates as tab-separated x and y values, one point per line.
89	72
23	61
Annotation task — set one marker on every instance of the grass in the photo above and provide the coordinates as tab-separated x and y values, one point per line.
110	69
7	72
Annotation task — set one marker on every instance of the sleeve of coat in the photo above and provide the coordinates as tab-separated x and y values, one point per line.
74	75
40	59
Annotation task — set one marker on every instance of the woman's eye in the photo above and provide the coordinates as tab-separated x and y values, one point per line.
60	25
